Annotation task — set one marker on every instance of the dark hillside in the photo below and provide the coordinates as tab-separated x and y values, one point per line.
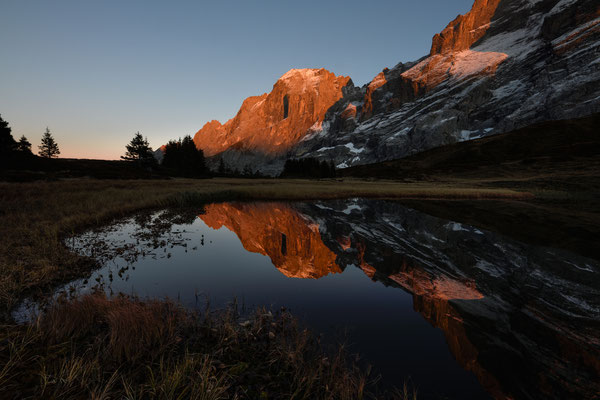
563	149
21	168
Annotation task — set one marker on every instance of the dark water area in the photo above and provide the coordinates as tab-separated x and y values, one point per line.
459	312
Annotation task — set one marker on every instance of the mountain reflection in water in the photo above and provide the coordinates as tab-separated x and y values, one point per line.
292	241
524	319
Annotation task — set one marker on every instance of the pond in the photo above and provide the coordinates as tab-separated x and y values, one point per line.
459	312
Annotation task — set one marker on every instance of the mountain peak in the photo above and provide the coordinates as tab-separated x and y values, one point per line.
465	30
302	73
273	122
503	65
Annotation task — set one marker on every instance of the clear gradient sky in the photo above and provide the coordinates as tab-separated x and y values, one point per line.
95	72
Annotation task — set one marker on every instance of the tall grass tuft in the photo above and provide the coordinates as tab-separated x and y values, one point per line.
96	347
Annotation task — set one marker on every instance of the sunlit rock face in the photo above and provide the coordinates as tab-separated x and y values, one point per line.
450	55
289	239
273	122
523	319
466	29
455	65
376	83
503	65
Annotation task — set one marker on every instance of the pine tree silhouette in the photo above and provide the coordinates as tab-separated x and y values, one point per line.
49	147
184	158
139	150
23	145
7	142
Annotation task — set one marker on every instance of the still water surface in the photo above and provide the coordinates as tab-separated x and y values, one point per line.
462	312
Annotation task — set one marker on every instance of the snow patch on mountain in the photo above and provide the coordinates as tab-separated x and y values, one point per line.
309	76
516	44
458	65
353	149
470	62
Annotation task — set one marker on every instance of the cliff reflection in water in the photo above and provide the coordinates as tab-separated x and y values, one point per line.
524	319
289	239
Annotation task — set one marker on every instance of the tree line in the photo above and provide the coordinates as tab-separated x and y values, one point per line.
308	168
10	147
179	157
184	158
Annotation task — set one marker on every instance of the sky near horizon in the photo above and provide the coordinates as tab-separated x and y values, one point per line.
96	72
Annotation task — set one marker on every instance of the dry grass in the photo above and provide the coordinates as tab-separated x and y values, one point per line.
35	216
93	347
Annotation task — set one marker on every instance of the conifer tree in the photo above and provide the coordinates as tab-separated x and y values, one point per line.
7	142
49	147
23	145
247	172
139	150
308	168
184	157
221	169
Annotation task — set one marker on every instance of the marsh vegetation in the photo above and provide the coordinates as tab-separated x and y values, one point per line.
95	347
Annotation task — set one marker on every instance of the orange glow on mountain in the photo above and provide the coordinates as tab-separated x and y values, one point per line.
344	242
375	84
289	239
367	268
465	30
273	122
431	298
421	283
450	54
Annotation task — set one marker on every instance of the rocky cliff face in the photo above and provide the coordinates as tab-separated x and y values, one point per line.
465	30
272	123
503	65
